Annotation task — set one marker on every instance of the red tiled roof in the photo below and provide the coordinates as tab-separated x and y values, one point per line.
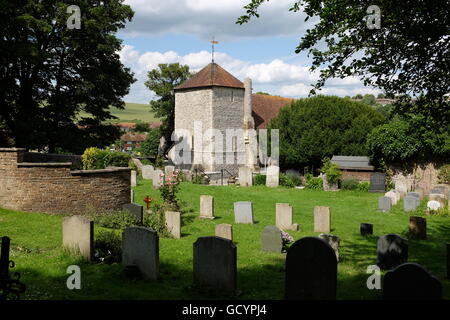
133	137
154	125
211	75
129	125
265	108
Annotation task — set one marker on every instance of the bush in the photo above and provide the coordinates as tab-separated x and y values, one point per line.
314	183
444	174
349	184
364	186
94	158
286	181
156	220
108	247
259	179
151	143
331	170
297	180
114	219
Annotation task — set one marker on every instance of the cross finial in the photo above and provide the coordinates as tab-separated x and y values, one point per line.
213	42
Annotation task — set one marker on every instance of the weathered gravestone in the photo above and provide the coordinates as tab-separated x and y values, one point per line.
271	240
322	219
215	264
393	196
410	281
173	223
377	182
133	178
284	217
272	176
158	178
311	270
78	235
136	210
243	212
418	228
224	230
392	251
410	203
245	177
140	248
333	241
366	229
206	207
147	172
384	204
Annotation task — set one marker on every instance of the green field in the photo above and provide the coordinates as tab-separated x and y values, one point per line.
133	112
36	246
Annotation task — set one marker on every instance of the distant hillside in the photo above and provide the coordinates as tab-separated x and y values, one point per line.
132	112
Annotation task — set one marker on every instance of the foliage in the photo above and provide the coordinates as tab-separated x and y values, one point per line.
286	180
444	174
314	128
151	143
296	180
108	247
331	170
162	81
113	219
50	73
94	158
349	184
315	183
364	186
156	220
259	179
169	190
141	127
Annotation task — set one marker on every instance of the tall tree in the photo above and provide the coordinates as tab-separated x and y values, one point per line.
162	81
50	71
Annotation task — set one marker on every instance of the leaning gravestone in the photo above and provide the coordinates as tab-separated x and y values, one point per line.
418	228
377	182
133	178
78	235
311	270
243	212
271	240
384	204
284	217
272	176
366	229
173	223
135	210
224	230
158	177
392	251
333	241
147	172
140	248
410	281
206	207
410	203
322	219
245	177
215	264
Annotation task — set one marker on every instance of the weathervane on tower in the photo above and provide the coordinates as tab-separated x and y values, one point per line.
213	42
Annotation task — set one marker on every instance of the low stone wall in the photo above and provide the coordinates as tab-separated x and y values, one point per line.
52	187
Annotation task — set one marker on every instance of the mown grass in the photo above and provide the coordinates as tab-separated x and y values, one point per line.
133	112
36	246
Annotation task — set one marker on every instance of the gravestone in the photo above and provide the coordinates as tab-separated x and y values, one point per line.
311	270
392	251
215	264
271	239
224	230
366	229
131	195
433	205
410	203
140	248
135	210
78	235
272	176
245	177
322	219
168	170
441	189
147	172
158	177
418	228
333	241
437	197
206	207
173	223
393	196
401	187
414	194
243	212
410	281
133	178
284	217
377	182
384	204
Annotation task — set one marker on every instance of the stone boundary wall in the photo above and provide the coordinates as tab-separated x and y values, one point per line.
52	187
53	157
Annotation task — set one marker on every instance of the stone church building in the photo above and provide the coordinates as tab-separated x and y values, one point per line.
215	99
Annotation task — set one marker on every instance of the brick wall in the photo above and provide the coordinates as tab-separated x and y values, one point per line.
359	175
54	188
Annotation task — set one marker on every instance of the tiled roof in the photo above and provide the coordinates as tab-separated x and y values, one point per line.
211	75
134	137
129	125
265	108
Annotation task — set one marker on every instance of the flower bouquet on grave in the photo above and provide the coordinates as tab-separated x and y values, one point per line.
287	239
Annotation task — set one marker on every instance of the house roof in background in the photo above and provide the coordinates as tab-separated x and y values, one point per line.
133	137
129	125
353	163
265	108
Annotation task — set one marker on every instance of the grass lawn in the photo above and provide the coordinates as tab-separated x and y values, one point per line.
36	246
133	112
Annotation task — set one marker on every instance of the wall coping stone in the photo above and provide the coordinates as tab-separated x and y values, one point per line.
99	171
12	149
43	164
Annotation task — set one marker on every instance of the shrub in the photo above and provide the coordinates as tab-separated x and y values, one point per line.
259	179
364	186
314	183
169	190
331	170
151	143
156	220
297	180
444	174
114	219
286	181
108	247
94	158
349	184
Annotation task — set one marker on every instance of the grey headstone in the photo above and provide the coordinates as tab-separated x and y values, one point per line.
78	235
206	207
410	203
384	204
322	219
243	212
158	177
147	172
173	223
272	176
410	281
311	270
377	182
140	247
215	264
135	210
271	239
392	251
418	228
333	241
414	194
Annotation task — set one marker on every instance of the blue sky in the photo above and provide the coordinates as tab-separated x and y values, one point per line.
263	49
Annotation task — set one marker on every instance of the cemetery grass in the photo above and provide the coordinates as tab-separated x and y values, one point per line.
36	246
